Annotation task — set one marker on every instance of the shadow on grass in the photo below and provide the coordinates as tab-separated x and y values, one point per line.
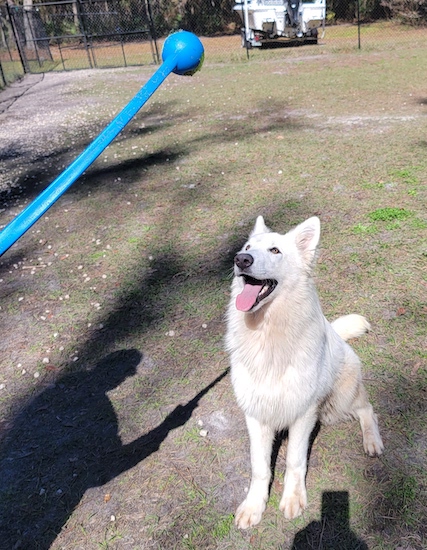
65	442
288	43
37	173
40	167
332	531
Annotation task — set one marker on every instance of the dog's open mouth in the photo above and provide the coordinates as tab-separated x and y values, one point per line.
253	292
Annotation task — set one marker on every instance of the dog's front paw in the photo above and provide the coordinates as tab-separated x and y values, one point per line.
249	514
293	505
372	444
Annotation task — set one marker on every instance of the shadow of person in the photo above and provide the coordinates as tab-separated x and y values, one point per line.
333	531
65	442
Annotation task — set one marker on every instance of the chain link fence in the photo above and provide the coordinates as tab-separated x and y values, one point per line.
11	67
76	34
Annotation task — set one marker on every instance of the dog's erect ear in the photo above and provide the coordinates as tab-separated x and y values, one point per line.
260	227
307	235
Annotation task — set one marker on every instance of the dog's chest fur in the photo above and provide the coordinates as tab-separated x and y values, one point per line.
276	370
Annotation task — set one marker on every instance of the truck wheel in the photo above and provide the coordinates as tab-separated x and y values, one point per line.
315	36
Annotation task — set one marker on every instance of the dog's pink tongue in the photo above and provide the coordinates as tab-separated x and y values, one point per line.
248	296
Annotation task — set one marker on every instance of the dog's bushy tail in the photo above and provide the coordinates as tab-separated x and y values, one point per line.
351	326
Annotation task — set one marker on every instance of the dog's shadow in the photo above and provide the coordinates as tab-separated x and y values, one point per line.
65	442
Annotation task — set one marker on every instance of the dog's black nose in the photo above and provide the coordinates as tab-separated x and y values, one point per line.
243	260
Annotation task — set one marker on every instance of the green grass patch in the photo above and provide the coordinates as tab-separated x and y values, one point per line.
223	527
361	229
403	492
389	214
407	175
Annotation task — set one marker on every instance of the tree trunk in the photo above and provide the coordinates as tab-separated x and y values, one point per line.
28	24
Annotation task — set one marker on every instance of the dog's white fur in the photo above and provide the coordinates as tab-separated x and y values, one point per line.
289	366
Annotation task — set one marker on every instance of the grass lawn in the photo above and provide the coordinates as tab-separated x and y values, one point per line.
119	430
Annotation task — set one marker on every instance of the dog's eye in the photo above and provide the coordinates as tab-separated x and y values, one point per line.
247	247
275	250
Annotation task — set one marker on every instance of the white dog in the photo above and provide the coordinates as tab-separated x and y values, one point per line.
289	366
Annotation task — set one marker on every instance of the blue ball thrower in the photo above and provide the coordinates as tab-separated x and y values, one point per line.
182	54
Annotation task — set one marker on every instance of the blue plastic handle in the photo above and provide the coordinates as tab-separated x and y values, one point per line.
182	53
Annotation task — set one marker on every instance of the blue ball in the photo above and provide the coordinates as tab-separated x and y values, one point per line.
188	49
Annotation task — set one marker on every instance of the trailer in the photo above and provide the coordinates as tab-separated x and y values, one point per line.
265	21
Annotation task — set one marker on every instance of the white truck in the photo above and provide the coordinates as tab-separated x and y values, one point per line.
270	20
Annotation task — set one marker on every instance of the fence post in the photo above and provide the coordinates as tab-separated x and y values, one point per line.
153	32
21	52
358	24
3	77
83	31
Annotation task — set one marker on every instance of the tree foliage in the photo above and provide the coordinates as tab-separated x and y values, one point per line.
411	12
203	17
346	10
